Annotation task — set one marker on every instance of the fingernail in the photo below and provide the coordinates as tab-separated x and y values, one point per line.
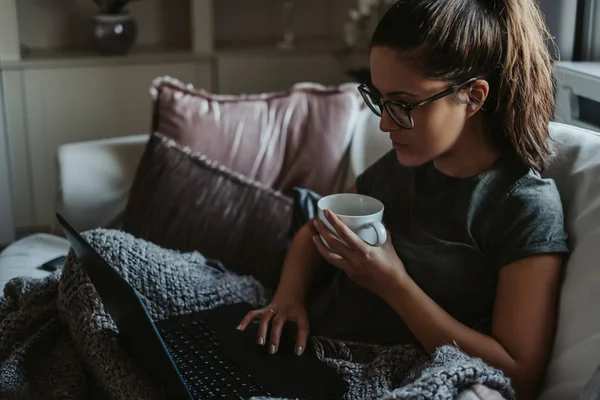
299	350
261	340
315	239
239	327
315	223
272	349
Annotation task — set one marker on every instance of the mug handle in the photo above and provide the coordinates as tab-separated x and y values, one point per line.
380	232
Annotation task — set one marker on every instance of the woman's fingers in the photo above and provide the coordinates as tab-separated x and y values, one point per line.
277	323
263	328
276	328
325	251
336	246
346	234
303	329
251	316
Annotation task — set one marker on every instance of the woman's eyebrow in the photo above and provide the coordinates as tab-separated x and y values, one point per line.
393	93
400	93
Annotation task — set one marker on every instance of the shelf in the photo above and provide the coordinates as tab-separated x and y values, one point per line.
68	59
265	48
58	31
302	46
192	30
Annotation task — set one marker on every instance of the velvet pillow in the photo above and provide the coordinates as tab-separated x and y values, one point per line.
184	201
293	138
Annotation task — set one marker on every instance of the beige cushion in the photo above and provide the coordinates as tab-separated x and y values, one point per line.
95	177
576	352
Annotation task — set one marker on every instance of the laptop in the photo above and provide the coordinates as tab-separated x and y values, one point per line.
202	355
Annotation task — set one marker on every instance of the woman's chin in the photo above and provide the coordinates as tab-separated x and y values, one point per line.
408	158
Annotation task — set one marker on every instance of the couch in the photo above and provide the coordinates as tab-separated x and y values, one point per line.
95	178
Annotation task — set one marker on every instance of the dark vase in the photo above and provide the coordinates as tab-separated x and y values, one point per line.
114	34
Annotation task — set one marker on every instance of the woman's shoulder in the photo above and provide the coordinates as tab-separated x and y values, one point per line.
529	219
509	181
532	191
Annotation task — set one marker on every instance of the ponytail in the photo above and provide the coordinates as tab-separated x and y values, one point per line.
526	87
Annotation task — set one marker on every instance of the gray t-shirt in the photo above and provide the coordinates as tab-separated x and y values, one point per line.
453	235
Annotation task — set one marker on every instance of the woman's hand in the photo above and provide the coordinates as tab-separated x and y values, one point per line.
276	315
376	268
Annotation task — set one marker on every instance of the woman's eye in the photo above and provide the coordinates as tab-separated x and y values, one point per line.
377	97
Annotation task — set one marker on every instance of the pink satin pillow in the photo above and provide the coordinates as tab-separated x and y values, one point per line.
293	138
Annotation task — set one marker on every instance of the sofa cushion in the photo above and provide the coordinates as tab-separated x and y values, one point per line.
304	208
95	177
184	201
576	352
591	391
294	138
24	257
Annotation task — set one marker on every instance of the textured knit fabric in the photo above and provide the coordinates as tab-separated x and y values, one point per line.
58	342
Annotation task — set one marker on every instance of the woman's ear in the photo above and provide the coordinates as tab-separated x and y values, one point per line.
477	94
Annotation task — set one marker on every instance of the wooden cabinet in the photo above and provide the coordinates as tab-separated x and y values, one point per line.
49	107
7	224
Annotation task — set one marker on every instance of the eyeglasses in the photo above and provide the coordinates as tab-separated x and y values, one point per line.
400	111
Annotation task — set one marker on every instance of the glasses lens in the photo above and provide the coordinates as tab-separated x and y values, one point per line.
399	115
372	102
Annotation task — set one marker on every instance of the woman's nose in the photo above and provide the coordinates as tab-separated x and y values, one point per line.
386	123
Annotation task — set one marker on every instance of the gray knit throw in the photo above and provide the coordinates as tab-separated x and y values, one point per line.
57	341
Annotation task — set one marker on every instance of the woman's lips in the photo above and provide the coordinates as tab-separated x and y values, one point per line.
397	145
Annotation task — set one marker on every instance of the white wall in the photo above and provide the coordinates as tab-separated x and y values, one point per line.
7	228
591	30
561	18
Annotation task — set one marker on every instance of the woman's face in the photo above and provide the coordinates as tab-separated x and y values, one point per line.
437	126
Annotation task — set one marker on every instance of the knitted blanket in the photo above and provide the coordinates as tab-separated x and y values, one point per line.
57	341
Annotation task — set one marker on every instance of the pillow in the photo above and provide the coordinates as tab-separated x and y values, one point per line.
184	201
576	351
591	391
284	139
95	177
304	208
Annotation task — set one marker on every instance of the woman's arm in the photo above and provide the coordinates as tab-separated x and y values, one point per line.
302	268
303	264
523	322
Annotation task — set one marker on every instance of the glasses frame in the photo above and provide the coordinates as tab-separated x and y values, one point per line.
407	107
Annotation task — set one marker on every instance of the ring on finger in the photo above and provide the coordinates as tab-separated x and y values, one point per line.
269	309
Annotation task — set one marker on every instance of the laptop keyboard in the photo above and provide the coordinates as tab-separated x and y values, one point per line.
206	371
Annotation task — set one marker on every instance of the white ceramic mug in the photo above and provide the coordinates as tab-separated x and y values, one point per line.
362	214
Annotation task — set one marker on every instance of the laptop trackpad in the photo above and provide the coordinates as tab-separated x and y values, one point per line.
284	374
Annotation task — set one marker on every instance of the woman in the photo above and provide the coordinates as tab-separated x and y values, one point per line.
464	88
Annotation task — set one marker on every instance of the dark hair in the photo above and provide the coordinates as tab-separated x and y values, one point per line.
503	41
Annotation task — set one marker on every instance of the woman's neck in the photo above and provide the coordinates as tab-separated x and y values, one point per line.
473	153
